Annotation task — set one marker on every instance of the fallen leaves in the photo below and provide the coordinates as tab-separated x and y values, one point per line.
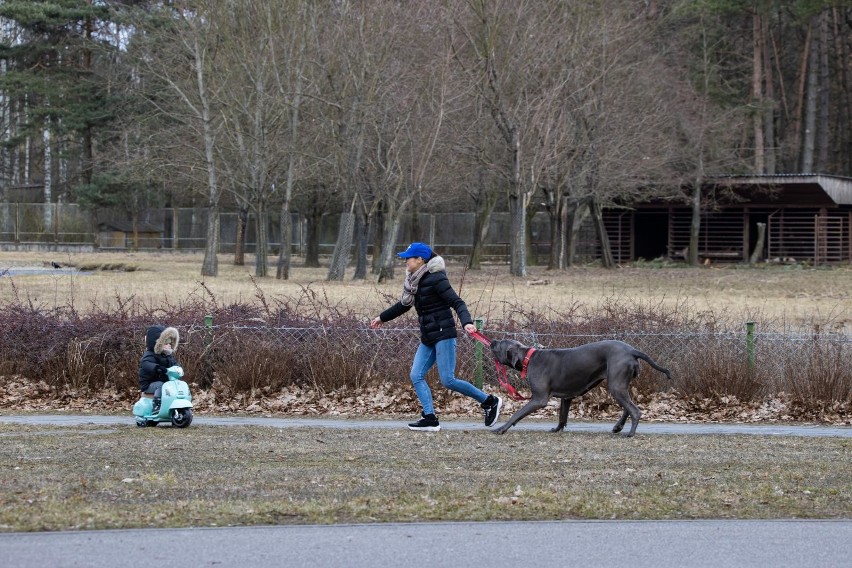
20	395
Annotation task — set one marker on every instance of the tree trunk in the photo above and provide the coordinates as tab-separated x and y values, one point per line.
6	167
529	212
378	239
518	236
481	224
134	228
517	212
240	238
603	237
312	226
567	208
841	53
48	178
769	103
361	242
210	265
695	223
811	102
388	242
285	225
757	93
824	90
342	248
801	81
757	254
261	230
554	213
577	215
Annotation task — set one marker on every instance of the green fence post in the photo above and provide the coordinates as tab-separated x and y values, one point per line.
208	329
750	345
478	356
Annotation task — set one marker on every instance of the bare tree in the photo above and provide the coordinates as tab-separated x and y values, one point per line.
180	52
256	100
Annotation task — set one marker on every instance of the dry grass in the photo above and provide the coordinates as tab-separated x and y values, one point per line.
88	477
790	295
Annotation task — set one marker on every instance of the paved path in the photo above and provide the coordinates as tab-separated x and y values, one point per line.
565	544
447	424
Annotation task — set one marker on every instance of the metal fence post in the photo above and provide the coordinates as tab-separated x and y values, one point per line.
478	356
750	345
208	329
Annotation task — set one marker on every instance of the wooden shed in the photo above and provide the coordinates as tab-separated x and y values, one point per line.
807	217
119	234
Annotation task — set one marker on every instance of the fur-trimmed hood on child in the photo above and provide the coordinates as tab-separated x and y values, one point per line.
159	335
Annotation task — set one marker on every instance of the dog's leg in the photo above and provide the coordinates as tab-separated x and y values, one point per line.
534	404
620	391
620	424
563	414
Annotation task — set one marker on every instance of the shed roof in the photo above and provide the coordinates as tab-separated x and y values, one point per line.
127	226
795	189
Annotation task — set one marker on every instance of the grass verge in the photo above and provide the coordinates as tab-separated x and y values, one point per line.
119	477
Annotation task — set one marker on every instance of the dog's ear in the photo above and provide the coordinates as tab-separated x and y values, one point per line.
498	349
515	354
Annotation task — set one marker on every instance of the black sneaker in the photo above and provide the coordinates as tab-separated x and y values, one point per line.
155	409
491	409
428	423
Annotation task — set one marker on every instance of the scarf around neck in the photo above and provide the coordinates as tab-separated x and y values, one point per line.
412	279
411	283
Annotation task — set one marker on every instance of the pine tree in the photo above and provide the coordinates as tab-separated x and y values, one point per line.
51	83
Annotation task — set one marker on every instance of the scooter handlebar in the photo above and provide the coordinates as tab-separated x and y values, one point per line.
175	372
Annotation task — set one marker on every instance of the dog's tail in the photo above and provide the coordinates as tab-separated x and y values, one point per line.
640	355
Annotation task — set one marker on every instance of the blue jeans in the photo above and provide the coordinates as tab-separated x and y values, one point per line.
444	353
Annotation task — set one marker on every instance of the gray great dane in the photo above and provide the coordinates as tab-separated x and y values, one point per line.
570	373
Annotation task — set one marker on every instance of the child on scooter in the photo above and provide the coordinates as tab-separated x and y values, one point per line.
161	342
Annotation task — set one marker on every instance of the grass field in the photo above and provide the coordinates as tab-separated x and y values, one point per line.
95	477
793	295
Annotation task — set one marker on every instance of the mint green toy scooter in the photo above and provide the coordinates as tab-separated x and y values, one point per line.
175	403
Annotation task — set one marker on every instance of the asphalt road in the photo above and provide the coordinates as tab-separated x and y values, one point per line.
563	544
637	544
447	424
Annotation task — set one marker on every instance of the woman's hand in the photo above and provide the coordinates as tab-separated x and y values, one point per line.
470	328
376	323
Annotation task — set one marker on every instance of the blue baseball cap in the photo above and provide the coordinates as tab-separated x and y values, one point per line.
416	250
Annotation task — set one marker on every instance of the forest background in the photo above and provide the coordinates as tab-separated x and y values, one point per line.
375	110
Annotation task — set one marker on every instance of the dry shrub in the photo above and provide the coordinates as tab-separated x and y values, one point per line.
716	374
823	374
309	342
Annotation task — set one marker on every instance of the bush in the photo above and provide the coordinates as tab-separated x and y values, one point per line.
312	344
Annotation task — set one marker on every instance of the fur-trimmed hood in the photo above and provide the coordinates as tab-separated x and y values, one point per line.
436	264
159	335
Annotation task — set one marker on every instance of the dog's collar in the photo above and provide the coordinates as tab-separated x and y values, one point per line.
529	354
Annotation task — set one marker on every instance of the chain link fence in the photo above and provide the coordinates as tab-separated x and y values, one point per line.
745	364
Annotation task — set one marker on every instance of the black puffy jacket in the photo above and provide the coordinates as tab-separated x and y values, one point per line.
433	300
153	360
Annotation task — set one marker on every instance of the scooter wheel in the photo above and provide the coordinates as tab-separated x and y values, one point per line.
141	422
181	417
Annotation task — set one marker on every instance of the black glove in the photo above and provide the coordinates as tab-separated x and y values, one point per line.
162	371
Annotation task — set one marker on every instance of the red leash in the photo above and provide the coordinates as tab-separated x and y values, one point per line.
501	369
